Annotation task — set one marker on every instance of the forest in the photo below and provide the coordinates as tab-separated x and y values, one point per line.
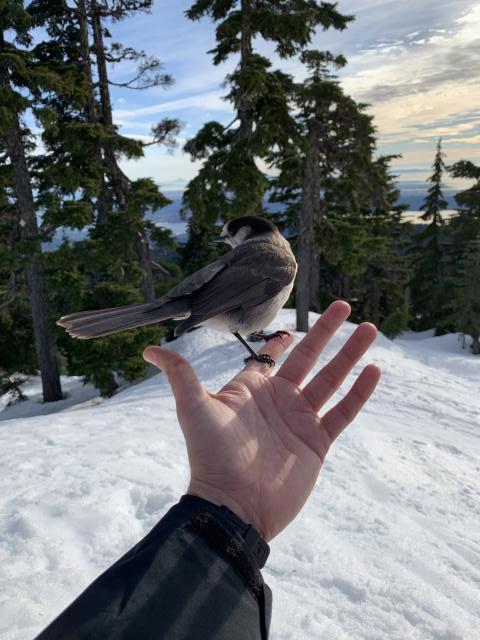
298	150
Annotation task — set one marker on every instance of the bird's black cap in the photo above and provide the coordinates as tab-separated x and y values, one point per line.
257	224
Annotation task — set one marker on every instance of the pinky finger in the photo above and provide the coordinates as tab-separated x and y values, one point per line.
345	411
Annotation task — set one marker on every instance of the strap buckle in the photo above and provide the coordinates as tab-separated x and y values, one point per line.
256	545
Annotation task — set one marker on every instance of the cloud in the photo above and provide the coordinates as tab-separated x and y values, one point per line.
431	66
161	166
413	86
417	63
470	140
211	101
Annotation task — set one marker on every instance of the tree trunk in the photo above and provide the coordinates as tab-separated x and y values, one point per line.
91	110
120	184
142	249
44	341
246	122
476	345
119	181
374	300
302	285
309	206
99	47
315	279
104	200
345	288
110	386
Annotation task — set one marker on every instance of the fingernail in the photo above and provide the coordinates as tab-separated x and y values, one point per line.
146	357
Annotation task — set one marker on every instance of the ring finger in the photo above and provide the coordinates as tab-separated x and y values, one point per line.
274	348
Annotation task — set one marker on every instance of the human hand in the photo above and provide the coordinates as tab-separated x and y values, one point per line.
257	446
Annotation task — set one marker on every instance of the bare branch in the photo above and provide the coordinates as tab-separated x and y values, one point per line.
158	267
8	302
166	132
230	124
149	71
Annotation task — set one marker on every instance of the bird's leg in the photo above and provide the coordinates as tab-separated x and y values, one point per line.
258	357
269	336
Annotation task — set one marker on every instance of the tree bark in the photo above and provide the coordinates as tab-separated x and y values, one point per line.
315	278
309	206
44	340
246	122
346	288
91	110
120	184
99	47
111	386
375	301
144	257
119	181
475	345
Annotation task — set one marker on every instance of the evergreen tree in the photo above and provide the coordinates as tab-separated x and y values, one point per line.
81	185
467	294
427	285
332	143
230	182
122	204
116	186
16	331
435	202
381	290
462	259
19	82
340	201
466	224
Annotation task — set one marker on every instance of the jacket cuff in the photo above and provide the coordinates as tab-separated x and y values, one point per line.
251	540
237	542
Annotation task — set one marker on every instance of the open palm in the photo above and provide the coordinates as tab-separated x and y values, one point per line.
257	445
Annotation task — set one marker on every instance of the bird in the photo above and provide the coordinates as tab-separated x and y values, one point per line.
240	293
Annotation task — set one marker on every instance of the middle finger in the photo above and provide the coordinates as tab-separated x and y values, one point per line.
330	377
304	356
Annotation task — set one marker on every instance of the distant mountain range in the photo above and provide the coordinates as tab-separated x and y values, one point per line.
412	194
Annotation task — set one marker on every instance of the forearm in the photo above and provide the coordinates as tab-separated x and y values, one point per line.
192	576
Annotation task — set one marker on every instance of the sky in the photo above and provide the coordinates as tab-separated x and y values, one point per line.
415	62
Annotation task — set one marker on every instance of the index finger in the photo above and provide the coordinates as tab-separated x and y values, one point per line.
304	356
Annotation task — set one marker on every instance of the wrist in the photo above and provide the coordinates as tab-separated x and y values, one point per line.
220	498
232	535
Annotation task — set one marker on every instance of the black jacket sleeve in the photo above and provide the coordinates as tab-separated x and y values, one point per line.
194	576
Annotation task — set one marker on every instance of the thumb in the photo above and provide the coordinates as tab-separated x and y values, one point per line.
181	376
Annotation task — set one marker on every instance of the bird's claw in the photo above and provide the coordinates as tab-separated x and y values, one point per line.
276	334
266	337
264	358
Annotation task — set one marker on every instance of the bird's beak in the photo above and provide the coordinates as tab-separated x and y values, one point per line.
219	240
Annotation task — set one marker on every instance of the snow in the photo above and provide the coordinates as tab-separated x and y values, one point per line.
388	545
75	395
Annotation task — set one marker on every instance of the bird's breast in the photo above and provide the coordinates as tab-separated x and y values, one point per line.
256	318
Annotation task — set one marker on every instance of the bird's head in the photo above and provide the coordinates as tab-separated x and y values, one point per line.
240	230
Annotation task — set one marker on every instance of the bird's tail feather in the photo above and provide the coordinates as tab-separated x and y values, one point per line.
103	322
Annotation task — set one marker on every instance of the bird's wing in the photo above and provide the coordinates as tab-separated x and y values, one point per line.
249	280
199	278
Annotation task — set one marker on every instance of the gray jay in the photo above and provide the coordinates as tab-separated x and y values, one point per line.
241	292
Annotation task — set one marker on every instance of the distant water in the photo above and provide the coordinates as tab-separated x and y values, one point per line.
412	194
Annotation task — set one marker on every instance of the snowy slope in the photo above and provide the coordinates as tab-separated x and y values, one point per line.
387	547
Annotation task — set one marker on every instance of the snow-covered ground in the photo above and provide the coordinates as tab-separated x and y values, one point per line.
387	547
75	395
